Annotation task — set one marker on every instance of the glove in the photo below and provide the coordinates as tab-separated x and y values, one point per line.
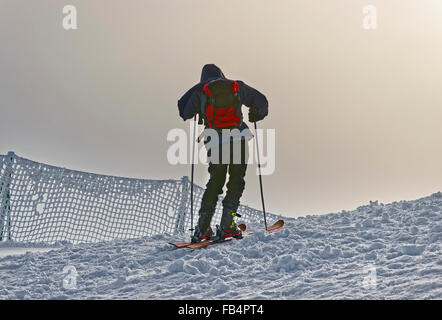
253	117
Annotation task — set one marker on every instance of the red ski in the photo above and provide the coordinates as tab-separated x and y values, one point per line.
186	244
274	228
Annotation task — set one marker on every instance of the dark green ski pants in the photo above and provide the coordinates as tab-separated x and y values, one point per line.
218	173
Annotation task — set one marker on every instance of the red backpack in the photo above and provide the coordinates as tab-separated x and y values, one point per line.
223	107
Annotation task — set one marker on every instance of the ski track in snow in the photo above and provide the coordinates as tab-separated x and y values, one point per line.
314	257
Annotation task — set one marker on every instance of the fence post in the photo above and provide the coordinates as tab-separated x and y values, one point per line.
182	209
5	197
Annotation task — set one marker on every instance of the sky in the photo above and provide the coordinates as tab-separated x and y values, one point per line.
357	113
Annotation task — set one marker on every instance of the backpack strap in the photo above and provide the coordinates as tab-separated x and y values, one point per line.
235	90
210	101
202	111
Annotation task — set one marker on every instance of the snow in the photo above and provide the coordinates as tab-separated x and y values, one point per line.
17	248
377	251
4	252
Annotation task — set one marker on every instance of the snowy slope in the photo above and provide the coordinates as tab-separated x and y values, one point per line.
375	252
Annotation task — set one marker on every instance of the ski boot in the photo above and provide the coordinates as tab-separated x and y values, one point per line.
199	236
203	231
228	227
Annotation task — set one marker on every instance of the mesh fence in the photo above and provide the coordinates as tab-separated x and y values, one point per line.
43	203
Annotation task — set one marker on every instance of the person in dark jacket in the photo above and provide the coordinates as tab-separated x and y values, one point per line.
190	104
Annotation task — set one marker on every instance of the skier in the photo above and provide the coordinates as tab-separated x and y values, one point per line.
218	100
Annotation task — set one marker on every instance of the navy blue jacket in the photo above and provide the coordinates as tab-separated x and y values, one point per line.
190	102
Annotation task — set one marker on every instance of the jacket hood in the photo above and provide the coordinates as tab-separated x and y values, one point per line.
210	72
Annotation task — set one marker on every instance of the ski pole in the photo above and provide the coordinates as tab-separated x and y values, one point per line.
260	178
191	175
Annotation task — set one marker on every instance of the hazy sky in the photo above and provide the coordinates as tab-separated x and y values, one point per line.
357	113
